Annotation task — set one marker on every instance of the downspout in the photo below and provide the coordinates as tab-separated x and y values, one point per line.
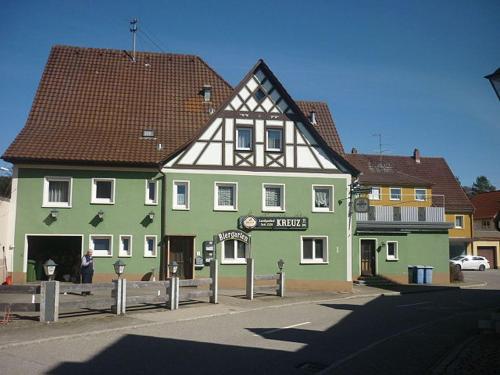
163	228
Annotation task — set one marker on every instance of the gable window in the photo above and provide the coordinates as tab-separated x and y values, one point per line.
485	224
181	195
151	192
125	246
234	252
103	190
226	196
150	246
395	194
244	139
273	197
375	194
57	191
459	221
314	250
274	139
102	245
392	250
322	198
259	95
420	195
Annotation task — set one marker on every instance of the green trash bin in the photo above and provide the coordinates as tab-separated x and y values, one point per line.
31	272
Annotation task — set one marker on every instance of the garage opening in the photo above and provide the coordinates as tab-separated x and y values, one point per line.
64	250
489	252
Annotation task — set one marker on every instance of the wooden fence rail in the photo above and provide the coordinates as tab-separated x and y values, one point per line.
251	278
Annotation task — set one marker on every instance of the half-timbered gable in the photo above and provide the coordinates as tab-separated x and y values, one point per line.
260	126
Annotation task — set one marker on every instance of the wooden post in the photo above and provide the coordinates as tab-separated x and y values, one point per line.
281	284
214	286
250	278
49	301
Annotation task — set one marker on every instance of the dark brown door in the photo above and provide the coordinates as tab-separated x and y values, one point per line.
181	250
367	257
489	253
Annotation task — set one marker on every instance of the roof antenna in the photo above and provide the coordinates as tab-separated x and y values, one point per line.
380	144
133	30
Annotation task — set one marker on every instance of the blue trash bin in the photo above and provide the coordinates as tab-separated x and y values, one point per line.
420	274
428	274
412	274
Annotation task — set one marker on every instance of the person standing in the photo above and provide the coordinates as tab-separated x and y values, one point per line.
87	270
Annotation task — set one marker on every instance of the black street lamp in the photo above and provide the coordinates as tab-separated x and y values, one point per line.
494	79
281	263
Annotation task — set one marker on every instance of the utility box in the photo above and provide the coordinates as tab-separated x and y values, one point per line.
208	251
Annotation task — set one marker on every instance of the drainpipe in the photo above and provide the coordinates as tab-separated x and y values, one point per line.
163	229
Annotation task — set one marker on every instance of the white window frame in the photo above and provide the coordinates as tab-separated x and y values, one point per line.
147	201
425	195
372	197
46	181
455	223
400	193
283	200
238	128
175	206
330	207
268	148
155	254
235	260
96	253
396	255
315	260
95	200
121	251
216	196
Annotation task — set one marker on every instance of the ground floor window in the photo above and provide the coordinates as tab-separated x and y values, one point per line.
392	250
125	246
102	245
150	246
314	250
234	252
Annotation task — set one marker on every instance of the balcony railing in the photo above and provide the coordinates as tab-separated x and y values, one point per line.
403	214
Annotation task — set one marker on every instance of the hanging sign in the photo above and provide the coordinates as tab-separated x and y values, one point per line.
361	205
273	223
232	234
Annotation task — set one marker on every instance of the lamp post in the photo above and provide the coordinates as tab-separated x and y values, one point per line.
119	267
49	268
494	79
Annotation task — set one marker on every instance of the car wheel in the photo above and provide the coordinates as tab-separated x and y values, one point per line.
482	267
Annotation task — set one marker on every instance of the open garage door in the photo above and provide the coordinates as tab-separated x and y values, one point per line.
489	253
66	251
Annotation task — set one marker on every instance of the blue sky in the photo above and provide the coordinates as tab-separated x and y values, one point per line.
409	70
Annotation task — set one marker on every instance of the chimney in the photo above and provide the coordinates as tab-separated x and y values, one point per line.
207	93
354	150
416	155
312	117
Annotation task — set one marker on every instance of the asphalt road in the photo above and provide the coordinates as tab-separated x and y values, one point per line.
387	334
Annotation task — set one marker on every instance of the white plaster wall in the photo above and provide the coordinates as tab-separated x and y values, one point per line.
6	237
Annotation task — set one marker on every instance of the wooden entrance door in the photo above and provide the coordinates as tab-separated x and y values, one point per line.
367	257
181	250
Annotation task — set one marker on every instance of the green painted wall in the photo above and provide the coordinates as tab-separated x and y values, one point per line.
267	246
413	249
124	217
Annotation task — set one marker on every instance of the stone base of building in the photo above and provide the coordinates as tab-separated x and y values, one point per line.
291	284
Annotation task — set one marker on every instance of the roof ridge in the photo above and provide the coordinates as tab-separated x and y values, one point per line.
65	46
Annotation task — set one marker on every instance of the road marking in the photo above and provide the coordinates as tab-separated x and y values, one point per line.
415	304
280	329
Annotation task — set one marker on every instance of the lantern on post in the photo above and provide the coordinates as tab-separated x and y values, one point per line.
281	263
49	268
119	267
173	267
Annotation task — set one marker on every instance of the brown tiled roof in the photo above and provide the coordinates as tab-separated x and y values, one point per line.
93	104
405	171
324	123
487	205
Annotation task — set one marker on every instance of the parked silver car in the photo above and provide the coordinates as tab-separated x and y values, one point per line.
470	262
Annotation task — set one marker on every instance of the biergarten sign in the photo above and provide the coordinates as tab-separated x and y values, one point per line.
273	223
232	234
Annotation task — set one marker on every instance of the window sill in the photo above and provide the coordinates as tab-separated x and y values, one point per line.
102	202
149	256
244	149
101	256
180	209
323	211
274	151
225	209
125	256
273	210
150	204
48	205
392	259
312	262
236	262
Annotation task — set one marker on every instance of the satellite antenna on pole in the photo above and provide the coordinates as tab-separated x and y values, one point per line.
133	30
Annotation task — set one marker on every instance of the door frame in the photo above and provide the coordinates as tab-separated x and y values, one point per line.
167	255
375	249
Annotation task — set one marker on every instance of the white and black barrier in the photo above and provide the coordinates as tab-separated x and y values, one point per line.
251	278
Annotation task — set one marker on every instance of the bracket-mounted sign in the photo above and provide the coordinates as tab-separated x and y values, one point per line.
273	223
361	205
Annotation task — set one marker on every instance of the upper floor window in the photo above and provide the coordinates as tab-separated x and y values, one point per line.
226	196
392	250
420	194
273	197
103	190
234	252
57	191
322	198
151	192
375	194
274	139
485	224
395	194
244	139
459	221
181	195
